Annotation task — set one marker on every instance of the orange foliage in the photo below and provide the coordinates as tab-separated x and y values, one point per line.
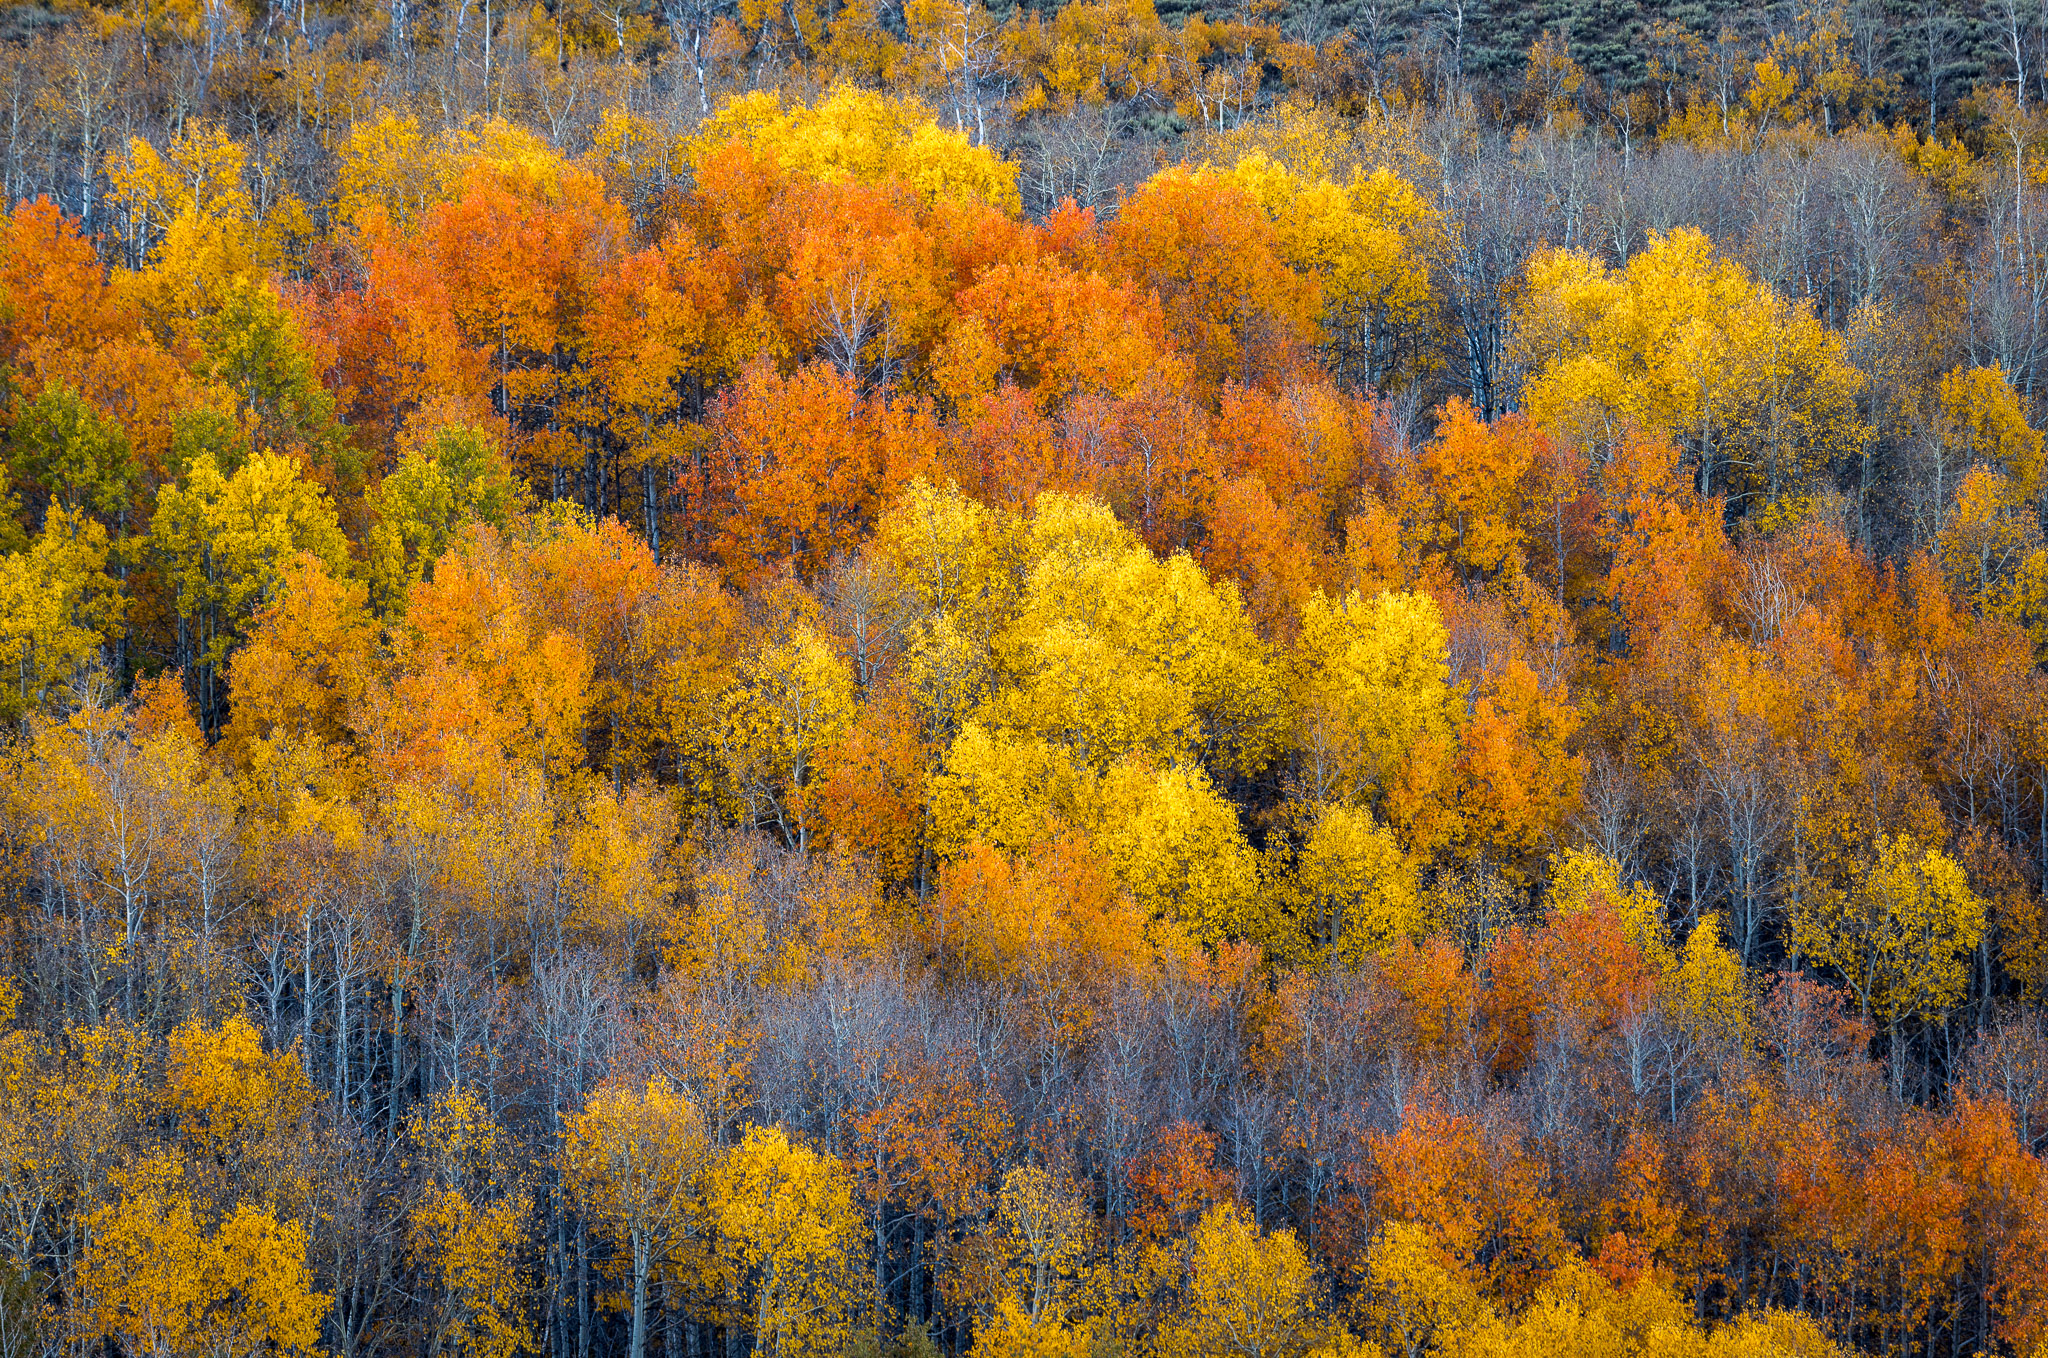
1477	1195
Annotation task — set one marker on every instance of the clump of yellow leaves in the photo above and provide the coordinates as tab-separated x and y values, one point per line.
206	227
469	1229
629	1162
864	136
1358	892
1901	937
238	1106
785	1220
1372	685
1682	341
58	606
1247	1292
1367	241
159	1278
1414	1305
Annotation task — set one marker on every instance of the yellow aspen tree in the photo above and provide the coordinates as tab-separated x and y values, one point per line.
1248	1295
1012	1332
59	607
630	1161
450	477
157	1277
1989	544
1122	653
1765	1334
1176	845
31	1179
1371	683
108	808
1984	422
867	137
1367	243
386	166
1046	1224
1413	1300
469	1230
1685	342
1000	789
1356	891
190	202
1901	938
1707	990
791	702
952	563
473	1252
225	539
624	869
238	1106
785	1219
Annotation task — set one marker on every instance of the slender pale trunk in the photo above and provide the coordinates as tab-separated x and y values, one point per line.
641	1262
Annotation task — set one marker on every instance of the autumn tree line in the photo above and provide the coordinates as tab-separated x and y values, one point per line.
888	681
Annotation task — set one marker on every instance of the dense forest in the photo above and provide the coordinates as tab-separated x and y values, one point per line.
891	680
